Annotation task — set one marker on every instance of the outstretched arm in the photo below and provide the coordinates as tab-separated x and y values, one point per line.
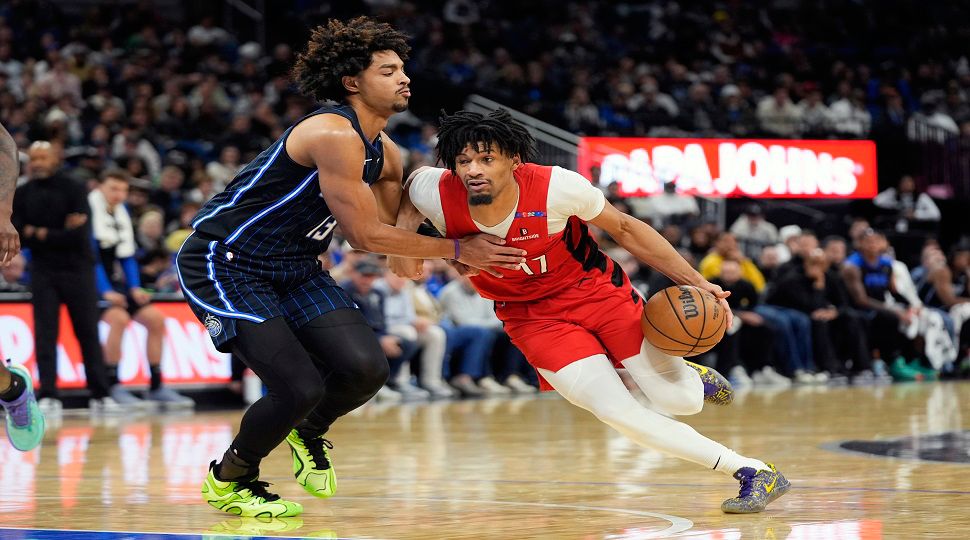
648	246
9	169
338	154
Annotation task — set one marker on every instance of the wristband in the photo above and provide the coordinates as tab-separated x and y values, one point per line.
457	249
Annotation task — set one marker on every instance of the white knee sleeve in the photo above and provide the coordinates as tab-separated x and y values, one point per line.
667	381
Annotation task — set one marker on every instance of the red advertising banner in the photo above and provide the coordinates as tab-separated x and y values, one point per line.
188	355
733	167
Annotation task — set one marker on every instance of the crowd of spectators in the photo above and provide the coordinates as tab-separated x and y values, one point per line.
835	68
831	310
181	107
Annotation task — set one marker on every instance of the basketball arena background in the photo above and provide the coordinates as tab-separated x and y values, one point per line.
728	104
754	131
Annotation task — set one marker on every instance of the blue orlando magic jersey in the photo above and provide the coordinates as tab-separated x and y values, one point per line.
273	209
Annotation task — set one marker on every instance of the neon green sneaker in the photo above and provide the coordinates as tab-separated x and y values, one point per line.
246	498
311	464
25	422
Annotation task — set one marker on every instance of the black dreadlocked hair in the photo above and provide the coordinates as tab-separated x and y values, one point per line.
498	130
339	49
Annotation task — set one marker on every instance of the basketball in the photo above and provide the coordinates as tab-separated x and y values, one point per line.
683	321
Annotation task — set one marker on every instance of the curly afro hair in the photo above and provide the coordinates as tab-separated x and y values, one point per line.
496	130
339	49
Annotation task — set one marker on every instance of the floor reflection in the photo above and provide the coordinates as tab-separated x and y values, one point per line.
760	528
528	467
126	449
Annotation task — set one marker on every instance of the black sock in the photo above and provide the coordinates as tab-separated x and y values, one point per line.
233	467
112	372
17	387
156	374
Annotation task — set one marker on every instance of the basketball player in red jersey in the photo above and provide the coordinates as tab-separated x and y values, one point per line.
569	308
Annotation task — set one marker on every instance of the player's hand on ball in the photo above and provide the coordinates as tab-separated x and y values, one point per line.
487	252
721	296
406	267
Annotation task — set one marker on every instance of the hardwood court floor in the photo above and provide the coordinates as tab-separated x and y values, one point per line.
521	468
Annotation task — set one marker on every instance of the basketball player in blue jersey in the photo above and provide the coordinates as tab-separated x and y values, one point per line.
251	275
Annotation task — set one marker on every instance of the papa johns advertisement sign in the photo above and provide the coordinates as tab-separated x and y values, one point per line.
188	355
733	167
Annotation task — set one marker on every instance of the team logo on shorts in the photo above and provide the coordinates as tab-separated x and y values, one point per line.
213	325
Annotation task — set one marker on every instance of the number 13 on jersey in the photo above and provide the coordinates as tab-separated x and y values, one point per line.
321	231
542	265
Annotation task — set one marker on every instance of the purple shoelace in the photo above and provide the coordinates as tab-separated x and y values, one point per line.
18	409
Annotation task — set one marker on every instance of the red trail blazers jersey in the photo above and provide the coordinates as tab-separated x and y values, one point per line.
554	261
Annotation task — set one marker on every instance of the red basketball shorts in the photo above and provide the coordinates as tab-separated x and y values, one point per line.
592	318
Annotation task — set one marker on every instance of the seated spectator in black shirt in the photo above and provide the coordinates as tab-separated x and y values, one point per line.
820	293
835	251
800	245
769	262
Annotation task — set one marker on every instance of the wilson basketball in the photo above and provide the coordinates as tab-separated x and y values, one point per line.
683	321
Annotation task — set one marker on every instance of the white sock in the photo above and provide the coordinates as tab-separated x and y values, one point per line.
729	463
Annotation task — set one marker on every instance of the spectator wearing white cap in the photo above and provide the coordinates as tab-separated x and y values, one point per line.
786	237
